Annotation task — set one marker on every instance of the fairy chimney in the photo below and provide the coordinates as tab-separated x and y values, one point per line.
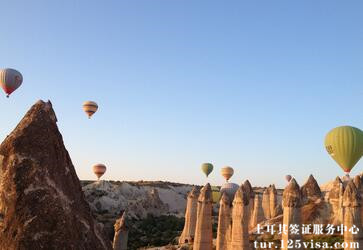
357	180
358	184
187	235
224	223
274	206
257	214
336	201
121	233
203	239
352	216
239	238
251	197
291	202
42	205
310	191
266	203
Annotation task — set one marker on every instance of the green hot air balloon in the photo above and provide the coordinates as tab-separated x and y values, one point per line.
207	168
345	146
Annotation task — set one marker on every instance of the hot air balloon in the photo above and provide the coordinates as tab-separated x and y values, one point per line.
10	80
99	170
345	146
288	178
230	189
216	195
90	108
227	172
207	168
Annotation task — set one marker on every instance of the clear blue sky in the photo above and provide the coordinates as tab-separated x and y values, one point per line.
251	84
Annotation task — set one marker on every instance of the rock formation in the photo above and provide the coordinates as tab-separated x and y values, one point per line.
358	184
224	223
251	195
203	239
187	235
239	237
121	233
357	180
352	213
291	202
257	214
153	204
336	201
42	205
266	203
310	191
275	208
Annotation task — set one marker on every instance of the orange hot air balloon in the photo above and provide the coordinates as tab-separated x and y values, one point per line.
99	170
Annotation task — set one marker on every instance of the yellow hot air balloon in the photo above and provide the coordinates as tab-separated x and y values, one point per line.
10	80
90	108
207	168
345	146
216	195
99	170
227	172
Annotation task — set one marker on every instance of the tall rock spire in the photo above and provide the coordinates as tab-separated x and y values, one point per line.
203	239
257	214
41	199
121	233
336	201
187	235
239	239
352	216
275	208
358	184
266	203
224	223
251	197
291	202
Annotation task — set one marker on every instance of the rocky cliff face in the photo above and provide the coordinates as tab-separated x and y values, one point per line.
42	205
140	199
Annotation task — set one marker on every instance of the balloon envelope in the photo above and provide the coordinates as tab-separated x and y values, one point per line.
288	178
99	170
345	145
207	168
90	108
227	172
10	80
230	189
216	195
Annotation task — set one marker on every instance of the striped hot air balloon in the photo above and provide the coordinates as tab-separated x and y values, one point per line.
227	172
10	80
90	108
99	170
